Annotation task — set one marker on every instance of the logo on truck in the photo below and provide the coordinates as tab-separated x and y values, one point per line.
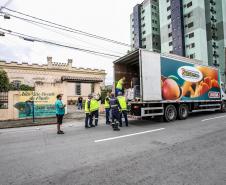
213	94
190	74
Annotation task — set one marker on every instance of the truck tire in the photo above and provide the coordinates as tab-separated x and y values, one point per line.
223	107
170	113
182	112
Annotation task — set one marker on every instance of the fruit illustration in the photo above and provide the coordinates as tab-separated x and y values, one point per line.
208	72
203	88
208	81
215	83
170	89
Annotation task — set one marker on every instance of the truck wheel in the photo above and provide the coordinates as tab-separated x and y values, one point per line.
223	107
170	113
183	112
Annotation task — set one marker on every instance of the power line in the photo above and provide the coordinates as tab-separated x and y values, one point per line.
43	24
6	4
66	28
36	39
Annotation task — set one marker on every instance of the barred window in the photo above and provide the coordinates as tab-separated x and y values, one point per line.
78	89
4	100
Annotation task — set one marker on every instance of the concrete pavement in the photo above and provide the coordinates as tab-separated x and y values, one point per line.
192	151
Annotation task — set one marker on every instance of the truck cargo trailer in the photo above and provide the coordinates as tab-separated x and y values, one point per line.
168	85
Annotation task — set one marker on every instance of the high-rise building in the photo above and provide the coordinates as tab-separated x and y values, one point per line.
145	27
194	29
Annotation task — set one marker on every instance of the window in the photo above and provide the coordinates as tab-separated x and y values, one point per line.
191	35
189	14
143	11
167	1
169	17
92	85
3	100
189	4
78	89
144	46
190	25
143	25
170	34
192	45
144	32
169	25
144	39
168	8
192	56
16	84
170	43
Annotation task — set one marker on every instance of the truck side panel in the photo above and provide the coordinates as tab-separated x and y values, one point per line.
188	82
150	76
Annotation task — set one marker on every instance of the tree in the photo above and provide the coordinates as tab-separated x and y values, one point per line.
4	81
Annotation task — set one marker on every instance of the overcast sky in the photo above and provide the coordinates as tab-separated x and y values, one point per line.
107	18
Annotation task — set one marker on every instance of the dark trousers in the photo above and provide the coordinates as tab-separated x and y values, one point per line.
107	113
124	114
88	120
80	106
59	118
115	115
94	114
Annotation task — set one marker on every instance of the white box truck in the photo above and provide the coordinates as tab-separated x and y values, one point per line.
169	86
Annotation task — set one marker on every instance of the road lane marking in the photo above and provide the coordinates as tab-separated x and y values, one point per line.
213	118
128	135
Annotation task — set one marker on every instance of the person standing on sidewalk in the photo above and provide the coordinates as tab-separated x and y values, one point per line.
80	99
107	108
88	122
94	108
60	111
123	108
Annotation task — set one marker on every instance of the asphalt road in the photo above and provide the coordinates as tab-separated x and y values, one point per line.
190	152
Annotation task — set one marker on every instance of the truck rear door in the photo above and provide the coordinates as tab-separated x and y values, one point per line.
150	73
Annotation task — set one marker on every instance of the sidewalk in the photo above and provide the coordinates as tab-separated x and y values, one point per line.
73	114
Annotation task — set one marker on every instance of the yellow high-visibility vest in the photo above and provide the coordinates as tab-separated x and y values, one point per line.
106	103
122	102
119	84
94	105
87	110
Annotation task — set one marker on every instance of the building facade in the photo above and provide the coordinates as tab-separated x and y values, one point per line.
145	26
71	81
50	79
194	29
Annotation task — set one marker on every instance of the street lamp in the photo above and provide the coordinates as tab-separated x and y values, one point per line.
6	16
2	34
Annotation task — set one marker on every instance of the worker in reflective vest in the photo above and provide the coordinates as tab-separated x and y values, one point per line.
114	106
123	108
88	122
120	86
94	108
107	108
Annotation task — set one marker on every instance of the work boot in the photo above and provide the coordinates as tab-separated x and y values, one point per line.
87	126
60	132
